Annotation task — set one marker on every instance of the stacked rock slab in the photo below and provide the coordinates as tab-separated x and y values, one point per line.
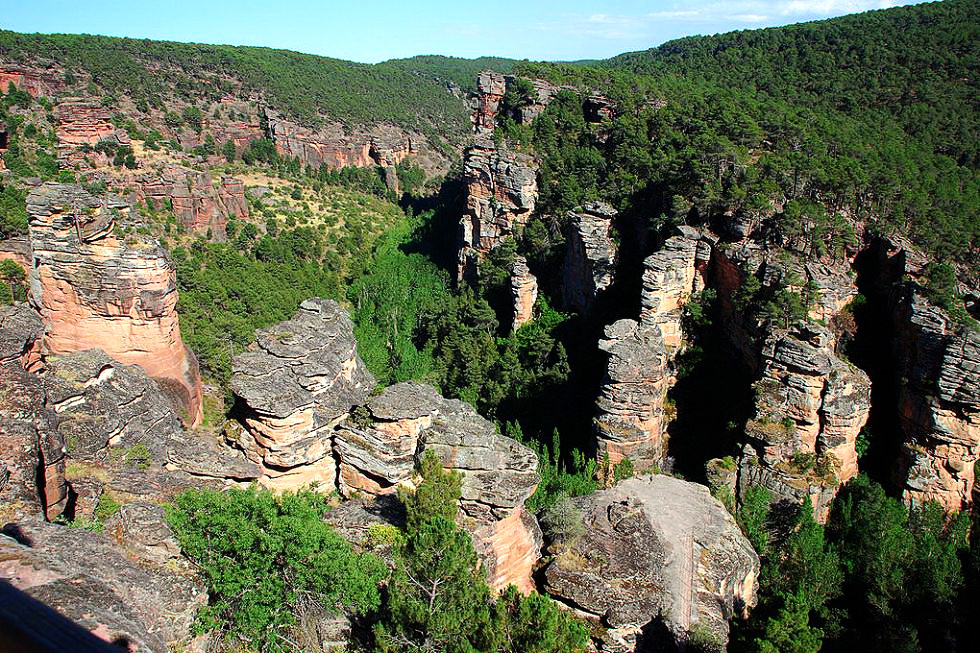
296	383
96	290
939	404
590	261
195	201
82	124
490	90
377	451
501	192
810	408
655	551
630	421
670	276
524	291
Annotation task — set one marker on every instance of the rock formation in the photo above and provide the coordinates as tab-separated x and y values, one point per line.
38	82
82	124
332	147
590	260
197	204
501	192
810	408
296	383
670	276
378	449
490	89
655	551
630	421
32	453
86	578
939	403
95	290
524	288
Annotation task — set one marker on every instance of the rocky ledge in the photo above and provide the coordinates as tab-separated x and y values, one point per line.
656	553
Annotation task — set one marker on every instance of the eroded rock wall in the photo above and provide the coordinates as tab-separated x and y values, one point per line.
198	203
591	256
501	193
96	290
524	293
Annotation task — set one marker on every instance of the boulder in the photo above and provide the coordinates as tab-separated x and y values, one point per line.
655	552
84	577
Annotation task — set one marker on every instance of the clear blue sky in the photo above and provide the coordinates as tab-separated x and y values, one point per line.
375	30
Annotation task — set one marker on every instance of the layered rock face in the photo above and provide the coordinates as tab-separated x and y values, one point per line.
84	123
670	276
490	90
335	149
298	381
590	261
492	86
86	578
630	421
377	452
655	550
810	408
501	192
197	204
96	291
524	290
17	250
38	82
939	404
32	453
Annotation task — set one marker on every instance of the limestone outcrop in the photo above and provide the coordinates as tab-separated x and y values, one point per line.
501	192
299	380
670	276
630	420
86	578
656	551
524	290
590	260
939	403
96	290
378	447
810	408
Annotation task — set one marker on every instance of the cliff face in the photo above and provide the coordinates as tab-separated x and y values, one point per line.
96	291
590	260
810	408
501	192
197	204
939	403
630	421
82	124
654	545
670	276
35	80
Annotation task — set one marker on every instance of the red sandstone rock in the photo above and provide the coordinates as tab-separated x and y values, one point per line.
95	291
524	288
36	81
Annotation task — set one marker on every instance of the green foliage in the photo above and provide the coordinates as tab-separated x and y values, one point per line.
789	631
579	478
534	624
437	496
411	178
13	212
752	516
262	556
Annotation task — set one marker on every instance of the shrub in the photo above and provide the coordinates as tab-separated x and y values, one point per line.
263	555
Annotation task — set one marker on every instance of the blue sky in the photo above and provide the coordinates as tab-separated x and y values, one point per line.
375	30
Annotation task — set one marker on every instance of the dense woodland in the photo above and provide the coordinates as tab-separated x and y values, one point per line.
814	128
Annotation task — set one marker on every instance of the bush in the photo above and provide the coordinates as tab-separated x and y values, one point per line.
562	522
262	555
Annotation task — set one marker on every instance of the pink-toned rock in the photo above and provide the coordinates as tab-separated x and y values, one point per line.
36	81
95	290
670	276
490	89
524	290
82	124
197	204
